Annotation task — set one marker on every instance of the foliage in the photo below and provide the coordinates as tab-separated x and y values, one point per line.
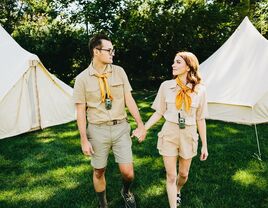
261	17
10	14
146	33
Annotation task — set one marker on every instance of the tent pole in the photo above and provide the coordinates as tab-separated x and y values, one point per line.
258	144
34	64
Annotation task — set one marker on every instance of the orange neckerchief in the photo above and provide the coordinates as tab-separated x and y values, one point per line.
103	83
183	96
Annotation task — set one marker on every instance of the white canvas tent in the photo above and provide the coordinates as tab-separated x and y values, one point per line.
30	97
236	78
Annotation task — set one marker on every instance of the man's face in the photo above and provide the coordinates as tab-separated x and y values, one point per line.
105	52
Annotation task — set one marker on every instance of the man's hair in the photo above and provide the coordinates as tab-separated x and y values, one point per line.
95	41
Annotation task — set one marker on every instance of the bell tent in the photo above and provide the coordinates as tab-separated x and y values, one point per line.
235	77
30	97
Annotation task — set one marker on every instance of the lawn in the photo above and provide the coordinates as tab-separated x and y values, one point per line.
47	169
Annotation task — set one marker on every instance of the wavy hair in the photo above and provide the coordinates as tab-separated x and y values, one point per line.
193	76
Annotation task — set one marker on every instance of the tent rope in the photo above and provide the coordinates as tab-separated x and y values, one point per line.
150	96
52	79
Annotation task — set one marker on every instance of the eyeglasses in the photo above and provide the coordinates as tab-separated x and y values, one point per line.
111	50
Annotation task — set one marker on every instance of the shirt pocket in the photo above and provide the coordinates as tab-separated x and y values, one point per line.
194	106
93	96
117	89
171	105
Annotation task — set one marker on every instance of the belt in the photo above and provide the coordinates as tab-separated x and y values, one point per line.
113	122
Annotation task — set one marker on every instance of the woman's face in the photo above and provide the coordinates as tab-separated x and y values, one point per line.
179	67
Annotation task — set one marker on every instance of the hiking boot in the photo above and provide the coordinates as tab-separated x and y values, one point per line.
178	199
129	199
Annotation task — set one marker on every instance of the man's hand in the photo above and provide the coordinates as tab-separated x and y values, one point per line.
204	153
140	133
87	148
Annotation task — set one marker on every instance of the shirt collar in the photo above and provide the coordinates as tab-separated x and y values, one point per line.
93	71
173	84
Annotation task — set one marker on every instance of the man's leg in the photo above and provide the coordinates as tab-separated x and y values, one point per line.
184	167
100	186
170	163
127	173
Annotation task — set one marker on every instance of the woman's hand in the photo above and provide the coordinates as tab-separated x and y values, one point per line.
204	153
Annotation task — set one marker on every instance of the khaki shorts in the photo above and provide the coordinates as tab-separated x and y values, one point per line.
173	141
106	137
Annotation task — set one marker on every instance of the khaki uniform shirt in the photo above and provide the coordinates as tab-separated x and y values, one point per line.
164	103
87	90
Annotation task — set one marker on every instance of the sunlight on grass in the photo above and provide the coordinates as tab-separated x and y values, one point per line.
144	105
251	176
39	193
155	190
4	195
244	177
47	133
153	163
212	126
219	134
45	140
231	130
69	134
149	114
67	171
41	187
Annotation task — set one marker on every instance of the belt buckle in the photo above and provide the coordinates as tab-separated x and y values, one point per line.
114	122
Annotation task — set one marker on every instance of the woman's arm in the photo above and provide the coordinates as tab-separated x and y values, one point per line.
152	120
201	125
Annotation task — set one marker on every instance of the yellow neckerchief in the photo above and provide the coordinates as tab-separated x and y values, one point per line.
183	96
103	83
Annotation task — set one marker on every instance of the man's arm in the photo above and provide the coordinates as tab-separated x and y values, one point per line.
82	126
133	109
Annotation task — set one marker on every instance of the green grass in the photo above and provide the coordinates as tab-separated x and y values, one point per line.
47	169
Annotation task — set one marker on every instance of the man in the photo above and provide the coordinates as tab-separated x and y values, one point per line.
101	93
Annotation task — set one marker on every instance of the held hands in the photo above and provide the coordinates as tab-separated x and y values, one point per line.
87	148
140	133
204	153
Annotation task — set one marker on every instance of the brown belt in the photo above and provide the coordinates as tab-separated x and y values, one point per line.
113	122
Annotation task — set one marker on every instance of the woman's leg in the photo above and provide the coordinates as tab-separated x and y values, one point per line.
184	167
170	163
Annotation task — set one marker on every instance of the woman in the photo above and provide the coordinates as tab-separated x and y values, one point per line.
182	102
